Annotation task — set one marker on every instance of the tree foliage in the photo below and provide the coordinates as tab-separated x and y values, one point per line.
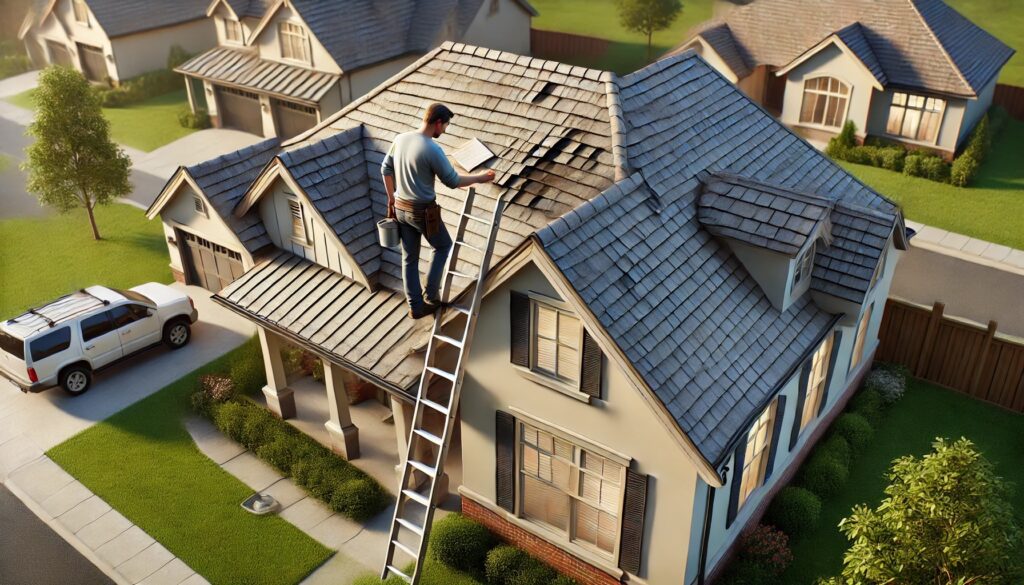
73	163
946	520
647	16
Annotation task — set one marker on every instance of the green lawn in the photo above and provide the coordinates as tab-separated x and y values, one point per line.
146	126
143	462
909	428
1005	20
598	18
991	209
43	258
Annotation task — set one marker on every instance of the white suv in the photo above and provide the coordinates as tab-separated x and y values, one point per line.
65	341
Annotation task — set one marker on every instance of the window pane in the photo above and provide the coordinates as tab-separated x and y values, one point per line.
544	471
899	99
529	435
910	123
808	108
895	120
563	449
587	527
590	487
592	462
561	474
609	496
545	503
546	355
606	534
819	110
544	442
547	321
51	343
568	364
568	330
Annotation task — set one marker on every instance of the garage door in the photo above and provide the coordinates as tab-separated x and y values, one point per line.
59	54
293	119
209	265
94	65
240	110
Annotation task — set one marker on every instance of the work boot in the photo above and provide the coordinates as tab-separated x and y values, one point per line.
423	311
430	301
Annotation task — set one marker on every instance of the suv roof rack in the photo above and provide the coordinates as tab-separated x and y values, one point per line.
53	319
104	301
48	320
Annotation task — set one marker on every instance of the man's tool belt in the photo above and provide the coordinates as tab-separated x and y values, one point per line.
429	211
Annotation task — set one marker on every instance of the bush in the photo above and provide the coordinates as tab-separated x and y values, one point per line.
318	371
767	546
197	120
965	167
837	448
744	572
259	429
843	146
230	419
890	385
928	166
855	429
283	451
247	369
824	474
842	142
359	498
795	511
564	580
867	403
141	88
507	565
219	388
202	403
373	579
176	56
461	543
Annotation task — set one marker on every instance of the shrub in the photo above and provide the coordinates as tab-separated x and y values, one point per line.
140	88
461	543
230	419
197	120
794	510
219	388
824	474
889	385
837	448
259	429
867	403
201	403
176	56
318	371
502	562
247	369
282	452
842	142
767	546
855	429
291	358
928	166
359	498
745	572
564	580
965	167
372	579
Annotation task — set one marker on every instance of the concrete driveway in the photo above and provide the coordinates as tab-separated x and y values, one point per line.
30	424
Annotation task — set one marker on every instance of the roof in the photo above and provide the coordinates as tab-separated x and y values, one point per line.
844	267
670	295
125	17
244	68
720	39
921	44
854	39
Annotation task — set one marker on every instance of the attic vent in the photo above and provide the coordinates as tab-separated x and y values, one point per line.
472	154
200	207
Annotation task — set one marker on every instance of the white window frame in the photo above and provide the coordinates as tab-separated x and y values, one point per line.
199	205
232	24
544	377
904	102
80	10
293	37
817	378
804	265
580	445
861	339
757	453
299	238
829	96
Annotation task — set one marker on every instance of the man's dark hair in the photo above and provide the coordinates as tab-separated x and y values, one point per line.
437	112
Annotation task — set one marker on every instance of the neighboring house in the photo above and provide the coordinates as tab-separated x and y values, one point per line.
910	71
114	39
282	66
683	294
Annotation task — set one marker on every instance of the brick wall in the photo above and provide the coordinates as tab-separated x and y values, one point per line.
179	276
562	561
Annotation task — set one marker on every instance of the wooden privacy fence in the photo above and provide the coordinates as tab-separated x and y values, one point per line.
555	45
1010	97
952	353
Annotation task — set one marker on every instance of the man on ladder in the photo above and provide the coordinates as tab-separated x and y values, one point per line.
409	170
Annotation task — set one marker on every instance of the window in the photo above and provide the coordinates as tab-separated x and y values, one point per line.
51	343
298	223
93	327
825	100
570	489
294	44
556	343
12	345
199	205
915	116
858	343
232	31
755	459
816	380
804	265
81	11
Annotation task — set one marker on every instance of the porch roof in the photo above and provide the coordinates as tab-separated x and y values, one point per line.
244	69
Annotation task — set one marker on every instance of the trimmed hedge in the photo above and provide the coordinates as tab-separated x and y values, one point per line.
824	474
837	448
197	120
508	565
855	429
461	543
148	85
794	510
248	371
867	403
748	572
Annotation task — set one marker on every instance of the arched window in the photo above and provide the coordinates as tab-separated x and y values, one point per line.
825	101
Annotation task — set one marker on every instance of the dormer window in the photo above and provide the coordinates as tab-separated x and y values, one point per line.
294	42
81	11
233	31
804	265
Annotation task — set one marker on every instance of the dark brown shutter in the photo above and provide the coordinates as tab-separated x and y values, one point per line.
590	379
780	411
505	459
837	337
634	507
519	314
736	479
801	396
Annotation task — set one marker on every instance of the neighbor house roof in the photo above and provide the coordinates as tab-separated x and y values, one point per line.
604	174
243	68
921	44
124	17
720	39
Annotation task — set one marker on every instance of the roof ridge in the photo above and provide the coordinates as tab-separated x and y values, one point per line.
745	181
617	122
509	57
945	52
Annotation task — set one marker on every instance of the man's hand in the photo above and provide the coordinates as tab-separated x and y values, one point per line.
486	176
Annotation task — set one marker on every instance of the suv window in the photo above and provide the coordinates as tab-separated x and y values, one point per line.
12	345
93	327
138	311
51	343
128	314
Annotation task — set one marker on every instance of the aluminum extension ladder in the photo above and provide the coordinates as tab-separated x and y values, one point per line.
414	510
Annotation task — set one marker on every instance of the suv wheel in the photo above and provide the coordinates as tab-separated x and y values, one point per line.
177	334
76	380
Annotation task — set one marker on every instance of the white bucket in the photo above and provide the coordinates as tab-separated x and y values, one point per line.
387	232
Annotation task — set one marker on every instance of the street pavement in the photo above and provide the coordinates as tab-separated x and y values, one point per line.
33	554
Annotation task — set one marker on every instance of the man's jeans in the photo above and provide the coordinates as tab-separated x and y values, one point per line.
410	227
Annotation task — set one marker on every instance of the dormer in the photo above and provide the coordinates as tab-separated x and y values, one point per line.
283	35
775	232
231	31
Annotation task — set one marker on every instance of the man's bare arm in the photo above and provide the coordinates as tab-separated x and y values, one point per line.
484	177
389	188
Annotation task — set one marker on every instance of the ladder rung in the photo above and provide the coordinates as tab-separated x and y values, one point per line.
416	497
468	245
411	526
405	549
430	471
438	407
475	218
449	340
438	371
395	570
429	436
461	274
461	309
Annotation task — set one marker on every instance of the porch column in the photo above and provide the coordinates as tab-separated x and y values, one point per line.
280	398
344	434
402	414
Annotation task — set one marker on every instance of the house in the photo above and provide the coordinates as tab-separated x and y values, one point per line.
914	72
113	39
683	294
282	66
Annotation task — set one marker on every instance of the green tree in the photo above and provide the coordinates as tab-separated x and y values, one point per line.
946	520
647	16
73	162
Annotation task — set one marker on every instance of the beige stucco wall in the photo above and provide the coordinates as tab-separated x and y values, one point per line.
51	29
180	212
708	53
502	25
770	269
949	129
622	422
270	47
361	81
975	109
831	62
147	51
87	34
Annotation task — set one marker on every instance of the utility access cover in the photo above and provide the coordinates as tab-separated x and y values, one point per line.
472	154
